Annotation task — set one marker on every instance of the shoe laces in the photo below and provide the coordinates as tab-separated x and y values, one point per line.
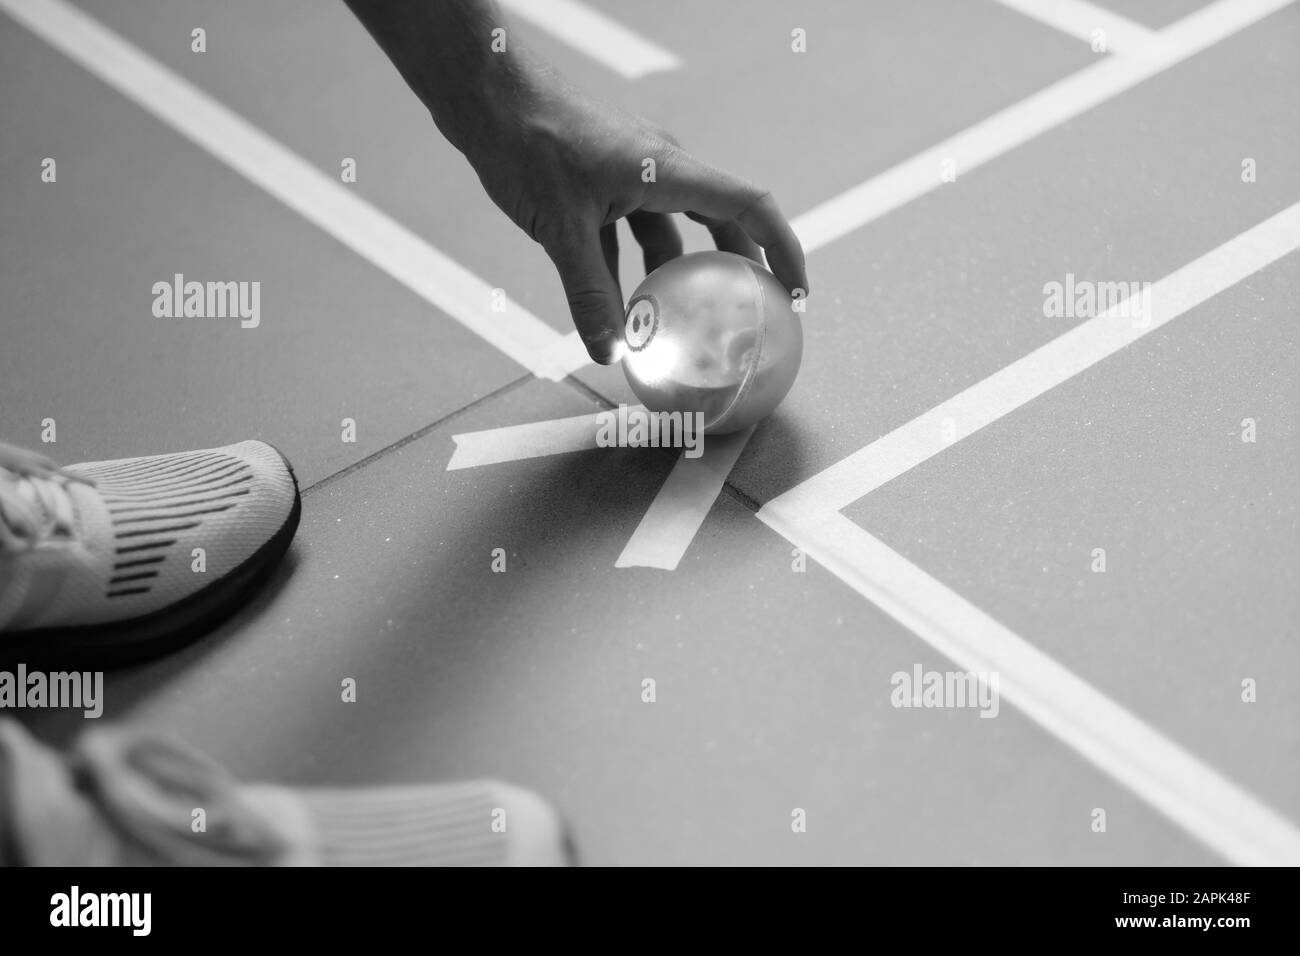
35	505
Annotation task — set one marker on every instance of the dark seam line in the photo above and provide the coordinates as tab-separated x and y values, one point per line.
740	497
413	436
582	388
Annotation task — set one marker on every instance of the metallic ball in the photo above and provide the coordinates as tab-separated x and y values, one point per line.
712	332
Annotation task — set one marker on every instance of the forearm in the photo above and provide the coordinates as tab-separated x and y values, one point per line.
444	49
564	167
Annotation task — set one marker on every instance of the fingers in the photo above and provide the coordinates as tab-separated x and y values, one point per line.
658	237
593	293
609	248
689	185
763	221
729	237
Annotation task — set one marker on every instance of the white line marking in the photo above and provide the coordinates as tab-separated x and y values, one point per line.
593	33
1079	19
1046	367
1195	796
565	356
917	176
1023	121
316	197
679	508
531	440
1190	793
683	502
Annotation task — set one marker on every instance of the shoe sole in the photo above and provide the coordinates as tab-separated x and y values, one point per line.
121	643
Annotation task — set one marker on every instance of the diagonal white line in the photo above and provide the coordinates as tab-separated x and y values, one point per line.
683	502
1192	794
1079	19
679	508
321	200
594	34
1023	121
919	175
564	356
1209	807
1046	367
530	440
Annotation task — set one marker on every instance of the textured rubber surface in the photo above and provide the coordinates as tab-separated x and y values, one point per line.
131	641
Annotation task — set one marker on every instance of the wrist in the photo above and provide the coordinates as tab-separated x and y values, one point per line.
491	106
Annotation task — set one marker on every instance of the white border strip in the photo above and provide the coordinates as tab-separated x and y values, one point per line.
1079	19
293	181
1026	120
1195	796
683	502
1046	367
1192	794
532	440
592	33
679	507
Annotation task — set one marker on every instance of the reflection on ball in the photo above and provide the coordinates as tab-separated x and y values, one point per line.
715	333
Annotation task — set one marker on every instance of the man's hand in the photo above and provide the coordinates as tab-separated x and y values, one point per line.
569	169
564	168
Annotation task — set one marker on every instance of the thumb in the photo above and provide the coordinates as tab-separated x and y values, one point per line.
594	298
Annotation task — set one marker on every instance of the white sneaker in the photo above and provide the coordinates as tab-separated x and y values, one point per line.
124	796
111	561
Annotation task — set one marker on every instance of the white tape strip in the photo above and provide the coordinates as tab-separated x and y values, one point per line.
532	440
593	34
1046	367
1081	19
1025	120
1209	807
1192	794
319	199
682	504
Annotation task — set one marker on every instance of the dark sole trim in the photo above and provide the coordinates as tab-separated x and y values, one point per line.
122	643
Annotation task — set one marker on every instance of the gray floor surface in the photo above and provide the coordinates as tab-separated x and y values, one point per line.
773	687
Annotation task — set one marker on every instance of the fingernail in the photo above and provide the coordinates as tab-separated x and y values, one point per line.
603	347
